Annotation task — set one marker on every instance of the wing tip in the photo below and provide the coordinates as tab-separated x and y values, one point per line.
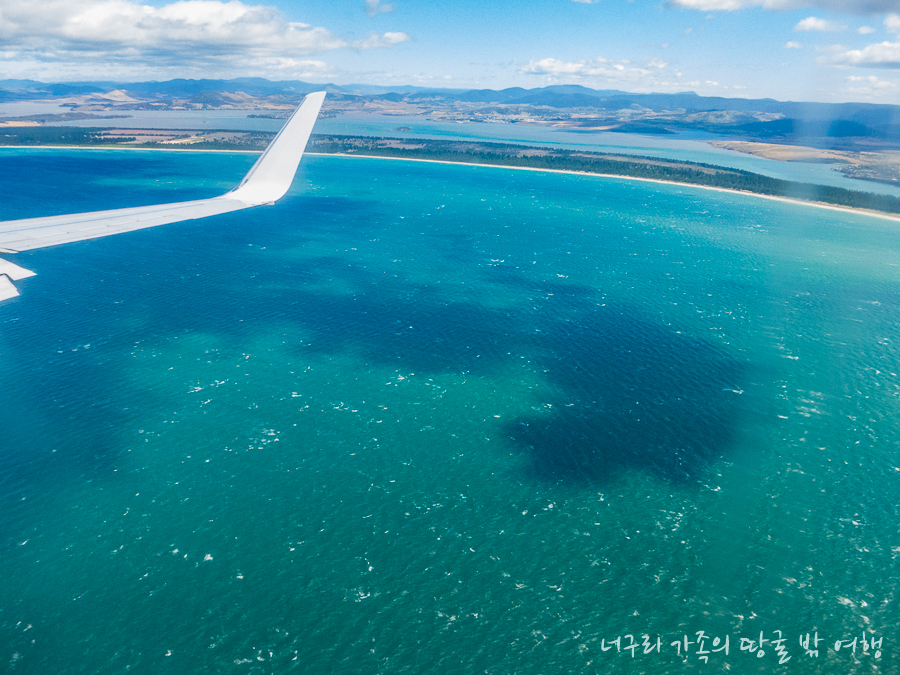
273	173
265	183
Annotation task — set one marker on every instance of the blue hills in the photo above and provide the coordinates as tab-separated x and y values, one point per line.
790	121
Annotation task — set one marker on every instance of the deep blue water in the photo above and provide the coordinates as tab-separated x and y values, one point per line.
421	418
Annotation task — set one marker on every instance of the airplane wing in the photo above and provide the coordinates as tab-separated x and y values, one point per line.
266	182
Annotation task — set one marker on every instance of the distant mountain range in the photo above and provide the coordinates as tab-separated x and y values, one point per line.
556	96
791	121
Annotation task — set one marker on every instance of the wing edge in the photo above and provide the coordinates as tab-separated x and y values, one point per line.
267	181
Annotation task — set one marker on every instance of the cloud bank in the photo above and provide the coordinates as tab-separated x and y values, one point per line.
595	69
881	55
208	35
653	75
845	6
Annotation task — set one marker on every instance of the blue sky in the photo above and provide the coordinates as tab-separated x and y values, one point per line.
824	50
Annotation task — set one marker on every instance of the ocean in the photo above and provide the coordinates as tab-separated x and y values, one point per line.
424	418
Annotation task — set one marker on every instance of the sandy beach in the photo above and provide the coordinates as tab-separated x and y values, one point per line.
788	200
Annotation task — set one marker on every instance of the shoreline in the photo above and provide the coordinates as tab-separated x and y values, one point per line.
786	200
124	147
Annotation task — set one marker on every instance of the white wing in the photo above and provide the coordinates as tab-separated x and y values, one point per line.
266	182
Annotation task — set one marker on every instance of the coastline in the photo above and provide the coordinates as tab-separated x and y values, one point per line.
124	147
787	200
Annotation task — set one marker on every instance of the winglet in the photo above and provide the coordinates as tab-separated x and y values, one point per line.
272	175
266	182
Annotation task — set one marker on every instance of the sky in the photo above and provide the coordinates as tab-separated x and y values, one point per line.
801	50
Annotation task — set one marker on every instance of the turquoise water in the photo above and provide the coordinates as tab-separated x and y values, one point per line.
690	146
421	418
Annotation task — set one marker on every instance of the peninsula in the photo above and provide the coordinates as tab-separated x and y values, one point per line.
466	152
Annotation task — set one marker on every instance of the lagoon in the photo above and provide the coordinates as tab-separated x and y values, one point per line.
689	146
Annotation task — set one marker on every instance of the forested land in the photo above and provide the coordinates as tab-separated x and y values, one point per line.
40	135
504	154
653	168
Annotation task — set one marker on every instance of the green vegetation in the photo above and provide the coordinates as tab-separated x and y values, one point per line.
259	143
54	136
504	154
594	162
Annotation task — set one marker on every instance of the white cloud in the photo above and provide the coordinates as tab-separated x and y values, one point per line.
654	75
182	36
376	41
831	49
296	68
883	55
93	24
871	87
815	24
865	30
872	80
587	2
845	6
374	7
588	68
713	5
792	45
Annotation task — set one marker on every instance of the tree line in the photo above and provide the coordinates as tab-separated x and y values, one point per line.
691	173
